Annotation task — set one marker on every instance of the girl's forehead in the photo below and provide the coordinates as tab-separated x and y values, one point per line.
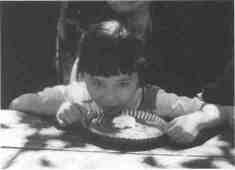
119	77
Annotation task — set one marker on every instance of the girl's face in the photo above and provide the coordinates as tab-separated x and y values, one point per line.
112	93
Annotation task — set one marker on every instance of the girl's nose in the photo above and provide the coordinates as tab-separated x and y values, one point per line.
110	97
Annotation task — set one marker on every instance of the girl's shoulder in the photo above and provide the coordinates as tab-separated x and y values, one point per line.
75	92
149	97
151	90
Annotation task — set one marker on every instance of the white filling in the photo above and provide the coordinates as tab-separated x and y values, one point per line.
124	121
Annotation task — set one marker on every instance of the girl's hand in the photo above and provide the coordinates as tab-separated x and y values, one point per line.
70	113
184	129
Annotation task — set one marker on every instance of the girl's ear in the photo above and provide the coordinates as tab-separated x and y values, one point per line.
141	82
141	78
81	76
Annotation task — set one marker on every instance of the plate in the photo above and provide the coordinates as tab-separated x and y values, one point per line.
129	127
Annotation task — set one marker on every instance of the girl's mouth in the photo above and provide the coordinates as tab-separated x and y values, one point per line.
112	110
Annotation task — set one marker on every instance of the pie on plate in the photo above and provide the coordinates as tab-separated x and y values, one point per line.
129	125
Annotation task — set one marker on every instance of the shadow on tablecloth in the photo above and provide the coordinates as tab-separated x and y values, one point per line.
76	138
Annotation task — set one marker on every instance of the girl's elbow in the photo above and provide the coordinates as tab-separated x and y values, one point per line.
23	102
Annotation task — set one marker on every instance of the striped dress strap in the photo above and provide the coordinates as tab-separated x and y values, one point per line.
149	98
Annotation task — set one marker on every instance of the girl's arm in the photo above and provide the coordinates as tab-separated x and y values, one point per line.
45	102
190	115
217	114
49	100
171	105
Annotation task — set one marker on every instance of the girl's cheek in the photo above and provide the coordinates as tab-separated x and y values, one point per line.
126	95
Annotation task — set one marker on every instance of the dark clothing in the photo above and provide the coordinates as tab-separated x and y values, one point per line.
148	102
191	44
222	91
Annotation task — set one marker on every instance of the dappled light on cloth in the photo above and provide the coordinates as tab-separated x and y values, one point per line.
37	142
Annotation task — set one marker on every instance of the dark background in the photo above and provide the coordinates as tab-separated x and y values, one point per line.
29	34
28	37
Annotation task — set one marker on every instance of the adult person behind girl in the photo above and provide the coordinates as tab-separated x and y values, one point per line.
182	41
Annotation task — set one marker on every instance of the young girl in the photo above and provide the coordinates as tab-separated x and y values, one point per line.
111	67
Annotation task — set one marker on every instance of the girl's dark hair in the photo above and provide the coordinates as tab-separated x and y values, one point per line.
109	49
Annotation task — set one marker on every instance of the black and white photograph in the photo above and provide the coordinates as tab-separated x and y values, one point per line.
117	85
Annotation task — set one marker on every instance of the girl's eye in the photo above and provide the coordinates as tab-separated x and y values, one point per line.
97	83
124	84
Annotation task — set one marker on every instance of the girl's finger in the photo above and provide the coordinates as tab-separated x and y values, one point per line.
79	108
174	132
172	129
69	117
74	114
84	123
61	120
171	124
77	114
178	138
83	114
